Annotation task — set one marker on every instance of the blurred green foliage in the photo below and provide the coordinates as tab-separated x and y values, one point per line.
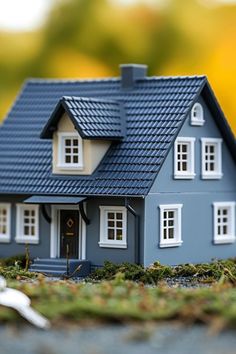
87	38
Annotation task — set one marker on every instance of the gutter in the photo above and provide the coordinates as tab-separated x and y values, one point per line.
136	231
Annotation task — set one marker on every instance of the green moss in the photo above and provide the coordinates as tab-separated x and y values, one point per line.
120	300
224	270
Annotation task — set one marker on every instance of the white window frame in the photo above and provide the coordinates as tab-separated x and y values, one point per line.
217	174
6	238
190	173
104	241
230	237
177	240
199	121
20	237
62	136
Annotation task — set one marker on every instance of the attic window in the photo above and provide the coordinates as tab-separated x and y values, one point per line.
197	114
70	154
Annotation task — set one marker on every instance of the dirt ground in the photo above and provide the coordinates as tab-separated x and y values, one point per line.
116	339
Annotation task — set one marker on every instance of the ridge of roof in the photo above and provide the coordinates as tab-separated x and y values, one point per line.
108	79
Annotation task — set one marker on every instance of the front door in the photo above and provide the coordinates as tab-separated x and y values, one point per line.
69	233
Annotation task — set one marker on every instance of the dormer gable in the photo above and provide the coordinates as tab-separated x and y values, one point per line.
82	130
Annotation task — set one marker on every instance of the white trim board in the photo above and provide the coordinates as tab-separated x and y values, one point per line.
6	238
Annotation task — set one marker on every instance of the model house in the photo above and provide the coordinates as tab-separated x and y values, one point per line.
134	169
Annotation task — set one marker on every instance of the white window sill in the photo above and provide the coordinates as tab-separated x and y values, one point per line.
226	239
5	239
112	245
25	240
170	244
199	123
185	176
212	176
70	167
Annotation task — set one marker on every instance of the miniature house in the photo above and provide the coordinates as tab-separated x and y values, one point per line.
134	169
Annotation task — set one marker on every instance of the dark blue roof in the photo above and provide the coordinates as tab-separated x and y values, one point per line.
93	118
155	111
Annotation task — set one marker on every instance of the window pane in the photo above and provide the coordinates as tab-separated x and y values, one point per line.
111	215
119	224
75	159
171	233
212	149
119	216
212	166
165	234
225	230
75	142
119	234
68	142
171	214
111	223
171	222
111	234
68	159
26	230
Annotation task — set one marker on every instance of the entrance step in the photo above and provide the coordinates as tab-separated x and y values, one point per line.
58	267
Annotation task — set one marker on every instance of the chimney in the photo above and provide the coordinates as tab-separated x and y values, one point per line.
130	73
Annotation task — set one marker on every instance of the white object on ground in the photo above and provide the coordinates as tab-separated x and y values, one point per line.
21	303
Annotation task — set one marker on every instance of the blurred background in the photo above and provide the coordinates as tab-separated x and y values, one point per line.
90	38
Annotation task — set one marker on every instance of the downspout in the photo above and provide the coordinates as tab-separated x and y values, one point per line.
136	231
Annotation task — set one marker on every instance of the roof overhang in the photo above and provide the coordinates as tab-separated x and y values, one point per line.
53	199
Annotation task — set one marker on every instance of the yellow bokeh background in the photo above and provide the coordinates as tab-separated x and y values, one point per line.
88	38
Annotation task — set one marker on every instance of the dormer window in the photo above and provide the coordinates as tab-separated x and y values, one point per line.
197	114
70	154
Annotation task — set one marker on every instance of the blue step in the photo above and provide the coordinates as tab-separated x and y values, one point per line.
58	266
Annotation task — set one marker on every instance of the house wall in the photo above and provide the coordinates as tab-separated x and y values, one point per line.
97	254
93	150
42	249
197	196
94	253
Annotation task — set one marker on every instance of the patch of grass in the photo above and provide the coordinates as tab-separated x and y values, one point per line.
14	268
122	301
224	270
19	260
15	272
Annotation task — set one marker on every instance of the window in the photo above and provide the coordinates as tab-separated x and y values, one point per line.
5	222
224	222
113	224
70	154
197	114
170	225
184	158
27	224
211	158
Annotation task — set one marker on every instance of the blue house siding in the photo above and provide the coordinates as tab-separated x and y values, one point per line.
197	229
97	255
197	197
42	249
